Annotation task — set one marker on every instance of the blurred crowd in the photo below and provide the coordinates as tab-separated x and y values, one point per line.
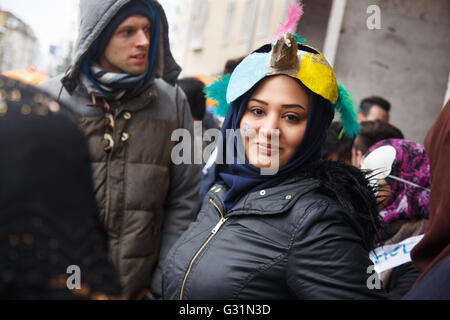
88	178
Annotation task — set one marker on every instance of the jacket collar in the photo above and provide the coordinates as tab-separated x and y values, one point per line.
140	101
275	200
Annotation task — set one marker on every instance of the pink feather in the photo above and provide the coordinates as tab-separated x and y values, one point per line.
294	15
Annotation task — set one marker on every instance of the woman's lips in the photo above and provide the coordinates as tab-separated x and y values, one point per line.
267	149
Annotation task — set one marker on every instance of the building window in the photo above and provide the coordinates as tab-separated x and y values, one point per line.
199	19
264	20
12	23
286	9
248	20
231	9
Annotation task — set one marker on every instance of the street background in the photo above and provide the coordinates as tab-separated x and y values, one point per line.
406	60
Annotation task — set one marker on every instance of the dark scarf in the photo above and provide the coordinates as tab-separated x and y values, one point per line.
120	85
245	178
116	85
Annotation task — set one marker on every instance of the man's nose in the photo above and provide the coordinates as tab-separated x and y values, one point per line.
142	38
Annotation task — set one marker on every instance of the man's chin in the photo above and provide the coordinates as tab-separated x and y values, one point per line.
135	72
137	69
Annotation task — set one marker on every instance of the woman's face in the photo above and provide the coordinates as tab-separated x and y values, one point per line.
274	123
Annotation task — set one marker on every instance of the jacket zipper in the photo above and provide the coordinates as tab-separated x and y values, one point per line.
213	233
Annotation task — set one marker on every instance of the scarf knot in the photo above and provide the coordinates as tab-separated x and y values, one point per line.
116	85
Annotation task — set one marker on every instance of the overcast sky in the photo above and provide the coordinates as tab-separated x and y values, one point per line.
53	21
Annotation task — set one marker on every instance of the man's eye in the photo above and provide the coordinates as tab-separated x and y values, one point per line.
127	31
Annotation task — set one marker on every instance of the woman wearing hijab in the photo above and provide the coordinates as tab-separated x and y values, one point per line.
52	245
432	254
402	171
277	222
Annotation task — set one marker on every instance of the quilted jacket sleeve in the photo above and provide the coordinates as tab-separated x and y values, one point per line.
182	200
327	259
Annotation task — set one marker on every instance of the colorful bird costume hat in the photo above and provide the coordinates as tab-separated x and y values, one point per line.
289	56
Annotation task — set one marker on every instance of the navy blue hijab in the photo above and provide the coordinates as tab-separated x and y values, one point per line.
245	178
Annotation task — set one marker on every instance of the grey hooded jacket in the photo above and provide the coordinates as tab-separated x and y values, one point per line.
145	200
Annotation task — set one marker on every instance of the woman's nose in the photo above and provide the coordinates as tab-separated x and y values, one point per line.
270	126
269	129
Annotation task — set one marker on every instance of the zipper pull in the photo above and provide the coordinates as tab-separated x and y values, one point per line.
218	225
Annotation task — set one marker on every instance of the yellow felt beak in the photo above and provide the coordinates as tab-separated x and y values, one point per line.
316	73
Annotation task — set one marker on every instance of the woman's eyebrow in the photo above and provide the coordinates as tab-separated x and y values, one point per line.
257	100
293	106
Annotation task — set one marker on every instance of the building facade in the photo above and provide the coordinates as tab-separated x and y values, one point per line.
391	48
406	60
19	46
218	30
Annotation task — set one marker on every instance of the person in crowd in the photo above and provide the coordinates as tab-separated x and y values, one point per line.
401	169
432	254
372	132
52	245
301	231
231	64
193	88
209	121
374	108
121	90
337	145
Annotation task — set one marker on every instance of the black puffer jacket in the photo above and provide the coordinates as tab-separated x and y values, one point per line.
303	239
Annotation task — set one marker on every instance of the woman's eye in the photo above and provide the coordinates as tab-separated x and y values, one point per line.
257	112
291	117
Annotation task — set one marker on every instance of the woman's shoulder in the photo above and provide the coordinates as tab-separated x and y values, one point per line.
335	182
341	193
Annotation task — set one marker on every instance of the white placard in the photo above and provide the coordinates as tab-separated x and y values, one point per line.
391	256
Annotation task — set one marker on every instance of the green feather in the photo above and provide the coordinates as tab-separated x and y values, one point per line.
346	107
299	39
218	91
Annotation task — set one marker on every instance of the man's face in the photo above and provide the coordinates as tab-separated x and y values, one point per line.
357	155
128	48
377	113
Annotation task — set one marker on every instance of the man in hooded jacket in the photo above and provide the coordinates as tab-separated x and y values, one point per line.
121	90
